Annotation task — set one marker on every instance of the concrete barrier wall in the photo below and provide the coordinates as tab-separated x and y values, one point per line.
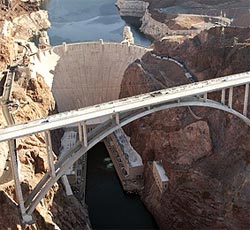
91	73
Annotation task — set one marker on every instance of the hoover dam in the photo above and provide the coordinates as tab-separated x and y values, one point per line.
108	117
99	132
81	75
91	73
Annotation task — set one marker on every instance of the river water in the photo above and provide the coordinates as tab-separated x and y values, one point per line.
88	20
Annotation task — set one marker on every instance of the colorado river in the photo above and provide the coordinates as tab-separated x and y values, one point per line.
86	20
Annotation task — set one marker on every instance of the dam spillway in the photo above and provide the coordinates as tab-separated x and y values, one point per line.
90	73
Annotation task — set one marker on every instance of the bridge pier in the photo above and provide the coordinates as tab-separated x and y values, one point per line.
14	165
83	133
117	118
230	98
205	96
80	132
67	185
223	96
246	100
50	153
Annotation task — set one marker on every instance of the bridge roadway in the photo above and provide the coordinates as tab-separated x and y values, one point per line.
117	114
123	105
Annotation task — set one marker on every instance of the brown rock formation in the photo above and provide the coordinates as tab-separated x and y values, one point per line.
206	159
185	18
33	100
217	52
232	8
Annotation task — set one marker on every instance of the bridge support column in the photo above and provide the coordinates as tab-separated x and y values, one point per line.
67	185
85	134
50	153
230	98
80	132
117	119
12	148
246	100
205	96
223	96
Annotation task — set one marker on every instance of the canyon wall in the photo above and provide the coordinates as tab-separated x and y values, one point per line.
31	98
205	152
132	8
188	18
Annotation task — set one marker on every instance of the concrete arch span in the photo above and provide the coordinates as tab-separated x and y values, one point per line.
105	129
90	73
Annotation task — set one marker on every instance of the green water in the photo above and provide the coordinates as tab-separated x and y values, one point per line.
109	206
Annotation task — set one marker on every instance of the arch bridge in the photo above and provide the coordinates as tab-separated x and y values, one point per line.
109	117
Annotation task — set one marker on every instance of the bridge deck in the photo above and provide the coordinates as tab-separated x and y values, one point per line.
123	105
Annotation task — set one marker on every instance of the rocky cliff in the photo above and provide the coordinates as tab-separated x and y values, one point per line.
188	18
132	8
205	152
20	22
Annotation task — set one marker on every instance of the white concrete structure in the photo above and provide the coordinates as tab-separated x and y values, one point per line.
128	36
90	73
160	175
127	162
130	157
67	142
120	113
44	63
73	91
148	101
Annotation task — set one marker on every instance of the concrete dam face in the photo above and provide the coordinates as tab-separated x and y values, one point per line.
90	73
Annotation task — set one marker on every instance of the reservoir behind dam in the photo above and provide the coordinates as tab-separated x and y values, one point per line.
87	20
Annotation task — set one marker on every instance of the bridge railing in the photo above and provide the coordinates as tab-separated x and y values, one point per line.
131	103
120	112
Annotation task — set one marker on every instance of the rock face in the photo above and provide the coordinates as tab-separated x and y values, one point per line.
152	27
32	99
185	18
212	53
132	8
205	156
157	29
26	26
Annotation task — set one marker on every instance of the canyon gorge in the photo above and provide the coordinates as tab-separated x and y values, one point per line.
204	151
